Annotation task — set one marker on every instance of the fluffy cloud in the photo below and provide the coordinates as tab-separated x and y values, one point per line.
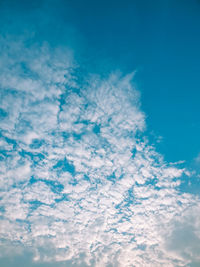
80	181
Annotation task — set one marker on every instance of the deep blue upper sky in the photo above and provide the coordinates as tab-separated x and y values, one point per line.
159	39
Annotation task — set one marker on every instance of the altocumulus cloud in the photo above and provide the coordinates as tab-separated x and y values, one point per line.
80	182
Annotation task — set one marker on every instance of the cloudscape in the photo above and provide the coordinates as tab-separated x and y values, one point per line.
84	179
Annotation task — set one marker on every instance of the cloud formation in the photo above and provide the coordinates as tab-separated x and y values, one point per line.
79	180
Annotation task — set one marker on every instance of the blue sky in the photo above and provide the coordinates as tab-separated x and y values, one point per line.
100	149
160	40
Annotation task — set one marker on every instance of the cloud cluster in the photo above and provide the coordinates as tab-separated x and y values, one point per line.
79	180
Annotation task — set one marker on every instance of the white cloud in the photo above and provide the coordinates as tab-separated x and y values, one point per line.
76	177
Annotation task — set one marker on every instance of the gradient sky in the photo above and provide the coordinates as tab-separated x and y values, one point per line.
99	120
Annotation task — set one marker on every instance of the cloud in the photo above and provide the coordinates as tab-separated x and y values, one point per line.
197	159
80	181
184	235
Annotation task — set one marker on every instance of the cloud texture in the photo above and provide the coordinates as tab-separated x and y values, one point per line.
79	180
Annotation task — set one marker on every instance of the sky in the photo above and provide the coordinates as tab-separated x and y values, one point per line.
99	133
